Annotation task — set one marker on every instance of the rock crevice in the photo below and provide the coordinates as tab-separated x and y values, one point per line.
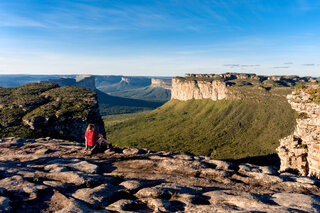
54	175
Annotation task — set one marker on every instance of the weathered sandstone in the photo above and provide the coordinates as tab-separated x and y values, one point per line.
220	86
301	150
161	83
186	90
41	175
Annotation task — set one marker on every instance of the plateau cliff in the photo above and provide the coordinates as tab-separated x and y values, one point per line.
85	81
121	83
54	175
161	83
301	150
221	86
45	109
187	90
261	78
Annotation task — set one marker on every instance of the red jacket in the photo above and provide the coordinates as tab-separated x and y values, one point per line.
91	137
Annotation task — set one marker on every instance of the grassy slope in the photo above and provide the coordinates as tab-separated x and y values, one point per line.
146	93
221	129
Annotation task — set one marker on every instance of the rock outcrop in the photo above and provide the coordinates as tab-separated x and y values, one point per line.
136	81
301	151
53	175
84	81
261	78
220	86
186	90
161	83
42	109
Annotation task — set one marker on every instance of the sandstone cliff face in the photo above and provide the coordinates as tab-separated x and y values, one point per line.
301	151
220	86
86	81
192	89
161	83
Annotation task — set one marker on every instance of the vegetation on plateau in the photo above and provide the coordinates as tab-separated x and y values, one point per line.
40	100
225	129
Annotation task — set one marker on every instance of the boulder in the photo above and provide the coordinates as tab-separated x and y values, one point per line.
67	177
84	166
152	193
99	196
131	184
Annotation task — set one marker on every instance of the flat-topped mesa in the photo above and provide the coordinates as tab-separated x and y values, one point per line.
136	81
301	150
161	83
220	86
228	76
187	90
84	81
261	78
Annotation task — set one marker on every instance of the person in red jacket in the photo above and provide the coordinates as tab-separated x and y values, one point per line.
92	138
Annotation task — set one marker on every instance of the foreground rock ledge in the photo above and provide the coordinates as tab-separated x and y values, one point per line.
51	175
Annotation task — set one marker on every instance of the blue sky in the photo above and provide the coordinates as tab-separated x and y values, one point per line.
165	38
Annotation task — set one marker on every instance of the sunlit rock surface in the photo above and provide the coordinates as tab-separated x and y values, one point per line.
54	175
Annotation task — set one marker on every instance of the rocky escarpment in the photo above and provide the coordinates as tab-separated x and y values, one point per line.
85	81
161	83
221	86
186	90
135	81
42	109
301	151
261	78
52	175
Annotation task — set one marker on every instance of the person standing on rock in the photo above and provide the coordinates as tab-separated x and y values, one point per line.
94	138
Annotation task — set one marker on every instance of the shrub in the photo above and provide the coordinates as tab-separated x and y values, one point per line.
118	177
300	86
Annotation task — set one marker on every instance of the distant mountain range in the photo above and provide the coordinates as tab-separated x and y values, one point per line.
19	80
116	94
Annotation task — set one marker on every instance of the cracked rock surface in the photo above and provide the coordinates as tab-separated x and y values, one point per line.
53	175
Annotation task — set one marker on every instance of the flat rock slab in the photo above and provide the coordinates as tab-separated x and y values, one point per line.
54	175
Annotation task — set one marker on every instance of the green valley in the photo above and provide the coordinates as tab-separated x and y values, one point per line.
224	129
148	93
